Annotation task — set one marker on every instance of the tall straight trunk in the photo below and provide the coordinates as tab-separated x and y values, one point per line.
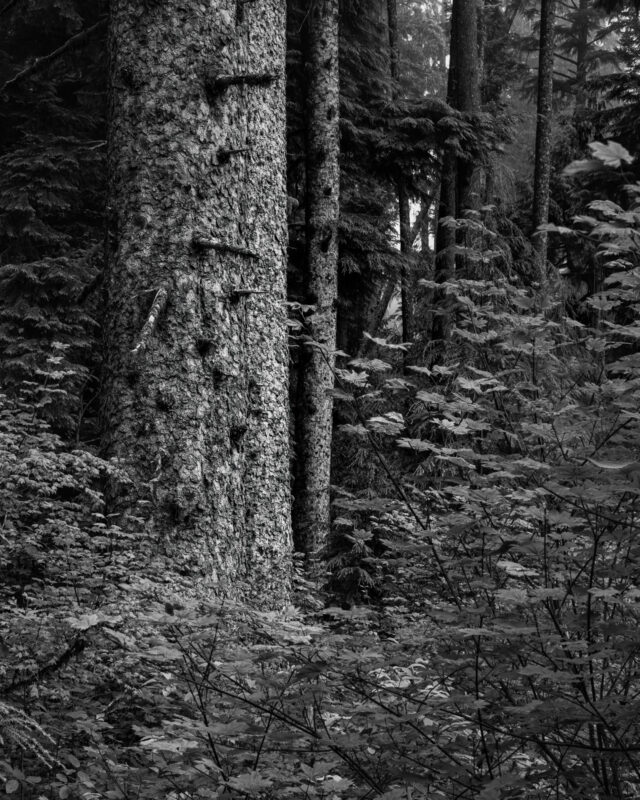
580	121
314	425
464	88
427	262
394	46
195	377
377	313
407	276
458	189
542	168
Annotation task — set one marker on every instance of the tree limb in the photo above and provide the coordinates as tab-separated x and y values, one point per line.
43	61
7	7
74	649
157	307
216	244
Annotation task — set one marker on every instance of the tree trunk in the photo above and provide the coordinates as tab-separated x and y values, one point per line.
464	88
542	168
458	176
580	120
407	276
377	314
195	376
314	428
458	185
394	47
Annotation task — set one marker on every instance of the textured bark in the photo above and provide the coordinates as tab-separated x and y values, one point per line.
458	185
542	168
464	87
195	378
314	428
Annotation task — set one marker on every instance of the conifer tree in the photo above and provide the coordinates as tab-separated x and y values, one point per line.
51	203
458	192
195	375
542	170
407	282
314	413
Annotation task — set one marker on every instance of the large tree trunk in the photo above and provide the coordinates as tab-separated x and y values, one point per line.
542	169
195	376
314	428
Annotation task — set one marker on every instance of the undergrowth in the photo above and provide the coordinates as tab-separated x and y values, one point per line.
479	638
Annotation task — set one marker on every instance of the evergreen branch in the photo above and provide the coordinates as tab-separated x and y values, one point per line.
512	17
427	107
157	307
566	58
43	61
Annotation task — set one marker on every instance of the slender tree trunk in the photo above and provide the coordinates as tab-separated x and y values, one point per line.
195	377
582	53
407	277
542	169
312	502
458	185
464	88
425	295
394	45
378	312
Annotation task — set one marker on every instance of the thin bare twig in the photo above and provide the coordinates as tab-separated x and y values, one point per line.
43	61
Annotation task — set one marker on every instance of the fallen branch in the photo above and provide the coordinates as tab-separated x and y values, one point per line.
43	61
8	6
157	307
74	649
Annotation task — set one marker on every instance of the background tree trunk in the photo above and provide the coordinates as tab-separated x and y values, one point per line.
458	190
407	276
314	428
195	377
542	168
580	118
464	89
